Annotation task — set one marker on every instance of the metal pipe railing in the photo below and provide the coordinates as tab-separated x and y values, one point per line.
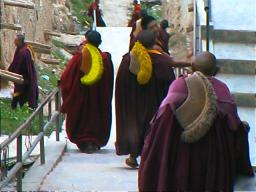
207	30
55	117
94	20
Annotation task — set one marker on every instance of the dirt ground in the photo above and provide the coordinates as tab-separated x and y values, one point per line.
116	17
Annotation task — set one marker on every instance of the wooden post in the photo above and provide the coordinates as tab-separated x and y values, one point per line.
38	45
19	3
11	73
52	33
12	78
10	26
51	61
42	50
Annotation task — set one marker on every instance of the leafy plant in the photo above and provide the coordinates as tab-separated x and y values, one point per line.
79	9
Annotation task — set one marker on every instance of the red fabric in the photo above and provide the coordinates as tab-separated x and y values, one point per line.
211	164
135	15
99	20
88	108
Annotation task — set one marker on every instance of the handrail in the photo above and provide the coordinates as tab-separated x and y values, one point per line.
181	71
18	131
200	7
206	8
55	117
94	20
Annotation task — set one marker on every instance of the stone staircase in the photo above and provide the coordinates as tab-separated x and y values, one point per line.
233	41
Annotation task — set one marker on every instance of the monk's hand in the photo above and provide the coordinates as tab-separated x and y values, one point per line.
246	126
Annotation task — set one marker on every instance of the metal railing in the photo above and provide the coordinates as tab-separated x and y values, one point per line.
182	71
17	169
199	26
207	31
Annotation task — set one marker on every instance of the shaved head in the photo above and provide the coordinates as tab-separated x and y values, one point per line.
147	38
205	62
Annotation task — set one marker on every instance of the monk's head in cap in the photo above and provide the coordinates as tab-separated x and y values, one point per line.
205	62
147	38
94	38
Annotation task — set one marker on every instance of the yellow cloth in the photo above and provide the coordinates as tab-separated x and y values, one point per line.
96	68
145	63
32	53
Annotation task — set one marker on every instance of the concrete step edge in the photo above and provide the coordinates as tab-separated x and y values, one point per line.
243	67
34	178
245	99
234	36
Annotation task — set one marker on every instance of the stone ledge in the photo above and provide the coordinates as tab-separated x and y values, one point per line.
230	35
245	99
229	66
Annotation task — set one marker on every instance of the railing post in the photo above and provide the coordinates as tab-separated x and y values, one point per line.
49	110
94	20
41	129
58	120
19	159
206	8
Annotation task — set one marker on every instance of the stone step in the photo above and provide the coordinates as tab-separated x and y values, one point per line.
239	83
233	14
229	66
234	51
245	99
224	35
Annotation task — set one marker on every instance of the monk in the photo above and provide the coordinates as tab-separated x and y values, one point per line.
164	36
87	88
23	64
149	23
95	7
142	82
135	13
136	27
196	141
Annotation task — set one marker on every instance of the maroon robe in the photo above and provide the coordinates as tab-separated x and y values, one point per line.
88	108
136	104
210	164
24	65
99	20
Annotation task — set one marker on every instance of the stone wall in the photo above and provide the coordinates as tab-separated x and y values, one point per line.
181	21
176	11
47	15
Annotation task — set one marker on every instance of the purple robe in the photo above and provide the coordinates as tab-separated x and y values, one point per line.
210	164
24	65
136	104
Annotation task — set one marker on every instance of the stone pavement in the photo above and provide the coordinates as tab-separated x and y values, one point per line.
102	171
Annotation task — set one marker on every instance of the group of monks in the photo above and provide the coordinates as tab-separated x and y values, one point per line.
186	129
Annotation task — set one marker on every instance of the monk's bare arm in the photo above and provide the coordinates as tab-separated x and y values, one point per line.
175	63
